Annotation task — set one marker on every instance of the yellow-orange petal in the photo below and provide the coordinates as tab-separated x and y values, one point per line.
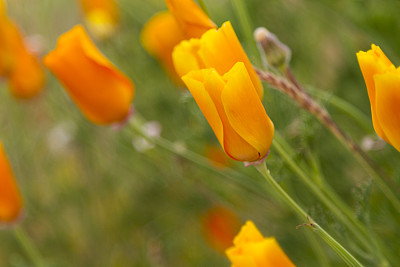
252	249
206	86
387	105
159	36
10	197
185	57
372	62
191	18
195	82
99	89
266	253
221	49
245	111
248	233
26	78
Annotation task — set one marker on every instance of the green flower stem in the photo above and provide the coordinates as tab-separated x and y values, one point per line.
339	249
28	246
328	197
247	29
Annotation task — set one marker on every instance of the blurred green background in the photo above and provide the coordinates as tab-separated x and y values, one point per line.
91	199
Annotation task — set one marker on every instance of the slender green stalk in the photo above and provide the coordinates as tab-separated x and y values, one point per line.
203	6
247	29
28	246
334	203
339	249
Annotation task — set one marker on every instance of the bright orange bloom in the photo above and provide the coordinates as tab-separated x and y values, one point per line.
253	250
383	85
165	30
22	67
101	16
10	197
234	111
99	89
191	18
159	37
219	49
220	226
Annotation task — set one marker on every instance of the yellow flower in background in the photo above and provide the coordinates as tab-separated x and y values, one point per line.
17	63
251	249
165	30
383	85
99	89
219	49
159	37
10	197
101	17
220	226
234	111
191	18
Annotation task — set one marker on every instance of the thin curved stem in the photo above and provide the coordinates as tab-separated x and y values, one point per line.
336	246
28	246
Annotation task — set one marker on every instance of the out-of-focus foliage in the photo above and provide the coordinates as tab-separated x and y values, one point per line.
92	200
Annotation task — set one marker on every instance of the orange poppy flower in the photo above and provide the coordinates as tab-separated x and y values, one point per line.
99	89
383	83
10	197
234	111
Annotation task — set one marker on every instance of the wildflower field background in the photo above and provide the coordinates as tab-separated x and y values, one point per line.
92	199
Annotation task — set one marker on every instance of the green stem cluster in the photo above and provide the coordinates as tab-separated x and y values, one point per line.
339	249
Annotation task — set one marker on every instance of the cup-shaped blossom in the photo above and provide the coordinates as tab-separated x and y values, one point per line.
251	249
234	111
10	197
99	89
219	49
220	226
101	16
383	83
191	18
159	37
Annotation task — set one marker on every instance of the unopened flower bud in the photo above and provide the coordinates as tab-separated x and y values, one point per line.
276	53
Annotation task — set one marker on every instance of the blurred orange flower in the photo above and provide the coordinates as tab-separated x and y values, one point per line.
99	89
220	226
234	111
101	17
219	49
159	37
165	30
383	83
217	156
17	63
253	250
10	197
191	18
